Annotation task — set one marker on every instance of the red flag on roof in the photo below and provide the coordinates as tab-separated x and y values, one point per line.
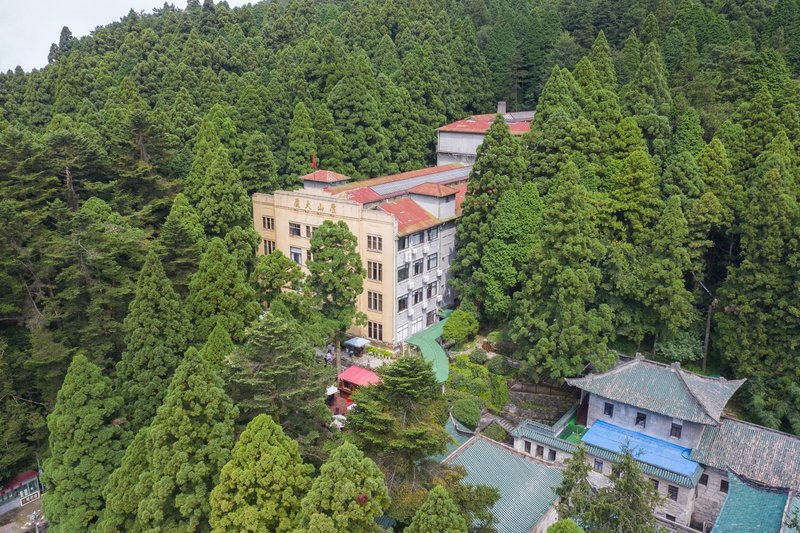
314	161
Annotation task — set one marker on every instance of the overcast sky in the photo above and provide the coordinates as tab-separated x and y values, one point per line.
29	27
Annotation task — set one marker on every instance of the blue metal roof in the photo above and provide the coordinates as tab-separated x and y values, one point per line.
645	448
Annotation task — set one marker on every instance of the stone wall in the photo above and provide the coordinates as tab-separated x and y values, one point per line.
709	499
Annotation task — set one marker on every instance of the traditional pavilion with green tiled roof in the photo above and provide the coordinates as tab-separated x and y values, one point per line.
752	508
664	389
527	495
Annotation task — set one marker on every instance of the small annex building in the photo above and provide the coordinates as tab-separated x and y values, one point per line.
527	486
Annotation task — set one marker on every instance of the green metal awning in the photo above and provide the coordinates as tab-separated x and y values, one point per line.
427	341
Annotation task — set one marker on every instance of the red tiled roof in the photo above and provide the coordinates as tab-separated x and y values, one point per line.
461	193
325	176
432	189
392	177
479	124
18	480
409	214
359	376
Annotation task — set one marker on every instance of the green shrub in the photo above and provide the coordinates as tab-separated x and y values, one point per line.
378	352
478	356
565	525
460	327
499	365
499	390
495	432
468	412
496	336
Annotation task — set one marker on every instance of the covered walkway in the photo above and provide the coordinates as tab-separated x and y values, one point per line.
427	341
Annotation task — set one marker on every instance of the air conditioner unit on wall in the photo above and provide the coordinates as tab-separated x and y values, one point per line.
424	305
410	311
439	273
408	257
439	298
425	278
425	249
411	285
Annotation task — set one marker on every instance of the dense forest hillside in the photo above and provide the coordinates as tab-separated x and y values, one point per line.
653	206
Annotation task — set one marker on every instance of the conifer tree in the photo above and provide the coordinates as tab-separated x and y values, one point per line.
329	140
336	277
630	58
760	124
682	176
560	94
273	273
385	58
350	493
398	421
261	486
85	447
438	513
354	104
600	56
222	200
560	322
181	243
122	492
155	338
302	145
194	424
717	174
218	346
586	77
759	316
219	292
636	197
688	134
575	492
499	166
259	168
514	230
472	73
407	135
426	87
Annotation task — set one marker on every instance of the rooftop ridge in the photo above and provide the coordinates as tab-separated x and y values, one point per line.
678	370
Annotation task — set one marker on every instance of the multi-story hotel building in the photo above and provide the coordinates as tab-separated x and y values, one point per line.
405	227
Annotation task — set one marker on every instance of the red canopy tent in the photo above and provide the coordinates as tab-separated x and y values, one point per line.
358	377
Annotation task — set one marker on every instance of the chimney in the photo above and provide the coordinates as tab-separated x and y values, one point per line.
501	107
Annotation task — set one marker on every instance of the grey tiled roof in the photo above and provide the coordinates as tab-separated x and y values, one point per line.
526	486
751	508
755	452
664	389
532	431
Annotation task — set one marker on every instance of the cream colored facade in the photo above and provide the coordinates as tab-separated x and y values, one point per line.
276	218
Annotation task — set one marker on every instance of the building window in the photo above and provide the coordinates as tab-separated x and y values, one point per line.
309	257
418	267
402	273
704	479
374	243
433	261
670	517
528	447
608	410
374	301
416	297
433	233
432	289
416	326
551	455
294	229
269	246
655	483
539	451
268	222
675	431
641	420
297	255
375	330
402	303
402	243
430	318
310	231
374	271
402	332
672	492
598	465
416	239
723	486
